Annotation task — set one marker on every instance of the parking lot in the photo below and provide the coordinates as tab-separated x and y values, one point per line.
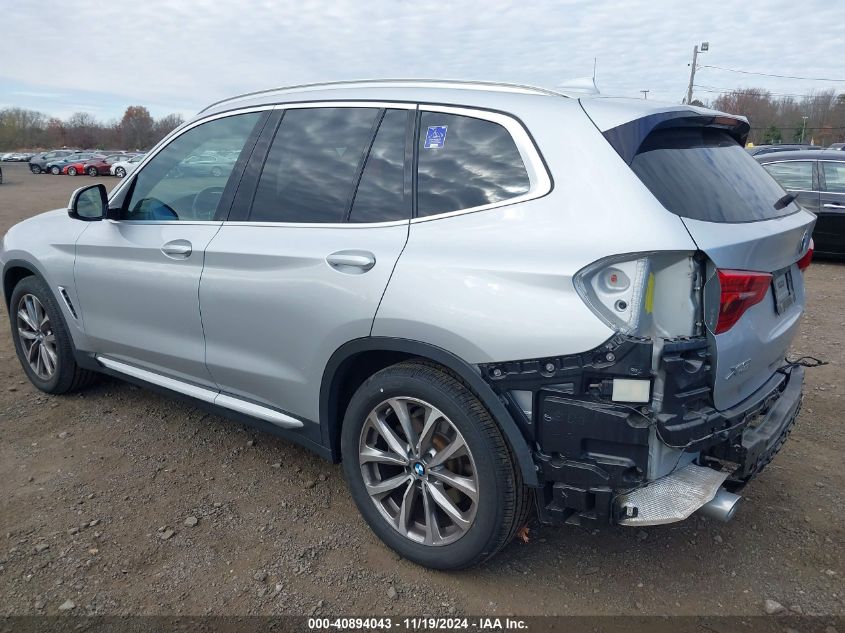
96	488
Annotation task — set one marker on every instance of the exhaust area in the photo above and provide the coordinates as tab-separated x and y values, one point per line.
722	507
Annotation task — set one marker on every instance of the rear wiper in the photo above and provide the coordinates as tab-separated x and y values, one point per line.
785	201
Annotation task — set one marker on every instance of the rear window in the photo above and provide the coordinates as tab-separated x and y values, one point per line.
704	174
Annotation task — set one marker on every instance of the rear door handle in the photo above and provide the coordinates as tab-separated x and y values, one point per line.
177	249
830	205
352	262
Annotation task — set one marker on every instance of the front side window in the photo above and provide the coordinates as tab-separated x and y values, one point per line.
172	187
834	176
313	164
792	174
466	162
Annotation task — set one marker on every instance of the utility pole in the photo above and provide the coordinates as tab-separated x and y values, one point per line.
803	128
645	93
705	46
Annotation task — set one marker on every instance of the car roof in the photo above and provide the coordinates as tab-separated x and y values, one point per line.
805	154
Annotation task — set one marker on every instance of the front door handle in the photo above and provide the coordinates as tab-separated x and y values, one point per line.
830	205
177	249
352	262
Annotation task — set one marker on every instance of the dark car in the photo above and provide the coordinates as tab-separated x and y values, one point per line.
38	163
818	181
757	150
102	166
57	165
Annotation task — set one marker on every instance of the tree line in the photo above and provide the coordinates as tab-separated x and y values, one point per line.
817	117
22	129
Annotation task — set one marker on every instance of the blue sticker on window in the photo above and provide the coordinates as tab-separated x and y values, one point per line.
435	137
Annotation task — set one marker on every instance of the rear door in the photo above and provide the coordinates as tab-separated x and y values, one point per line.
830	226
739	217
299	268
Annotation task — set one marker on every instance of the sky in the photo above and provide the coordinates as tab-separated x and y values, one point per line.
177	56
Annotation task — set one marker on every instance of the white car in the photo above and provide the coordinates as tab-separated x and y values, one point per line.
123	167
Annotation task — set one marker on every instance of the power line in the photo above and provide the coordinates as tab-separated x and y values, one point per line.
716	89
749	72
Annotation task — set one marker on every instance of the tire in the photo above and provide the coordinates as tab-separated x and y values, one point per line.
488	471
35	169
55	170
92	171
120	172
71	171
66	376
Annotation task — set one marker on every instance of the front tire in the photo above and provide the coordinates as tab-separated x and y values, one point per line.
35	169
41	339
92	171
120	172
429	468
55	170
71	171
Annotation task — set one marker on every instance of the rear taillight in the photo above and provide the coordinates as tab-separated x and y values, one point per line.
740	289
616	289
804	262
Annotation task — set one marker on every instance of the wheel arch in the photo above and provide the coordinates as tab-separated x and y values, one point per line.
355	361
13	271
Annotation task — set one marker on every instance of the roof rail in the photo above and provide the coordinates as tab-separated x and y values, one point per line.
358	82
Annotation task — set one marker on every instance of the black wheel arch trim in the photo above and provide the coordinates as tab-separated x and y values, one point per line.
331	419
19	263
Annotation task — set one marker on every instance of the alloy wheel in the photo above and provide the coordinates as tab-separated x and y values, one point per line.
37	337
418	471
120	172
92	171
71	171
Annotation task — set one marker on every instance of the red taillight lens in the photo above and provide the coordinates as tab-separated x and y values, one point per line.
804	262
740	290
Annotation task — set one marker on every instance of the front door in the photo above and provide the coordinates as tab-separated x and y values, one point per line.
301	265
137	275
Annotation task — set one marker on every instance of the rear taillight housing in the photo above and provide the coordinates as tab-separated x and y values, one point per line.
740	289
804	262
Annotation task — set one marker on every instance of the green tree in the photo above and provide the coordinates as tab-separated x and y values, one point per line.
772	135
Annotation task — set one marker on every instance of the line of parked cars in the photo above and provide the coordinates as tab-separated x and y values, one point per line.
16	157
77	162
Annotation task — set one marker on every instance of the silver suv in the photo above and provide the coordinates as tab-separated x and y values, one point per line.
482	298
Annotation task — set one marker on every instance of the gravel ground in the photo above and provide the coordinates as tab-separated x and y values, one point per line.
120	501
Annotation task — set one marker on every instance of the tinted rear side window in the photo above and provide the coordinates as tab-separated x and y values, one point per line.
704	174
381	194
466	162
311	168
834	176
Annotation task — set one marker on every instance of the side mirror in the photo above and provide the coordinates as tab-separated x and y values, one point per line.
89	203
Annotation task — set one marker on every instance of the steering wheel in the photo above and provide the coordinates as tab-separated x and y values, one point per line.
205	203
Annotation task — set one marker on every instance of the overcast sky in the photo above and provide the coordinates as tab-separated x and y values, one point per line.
178	55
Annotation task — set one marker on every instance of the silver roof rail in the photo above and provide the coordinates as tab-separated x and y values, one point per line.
410	82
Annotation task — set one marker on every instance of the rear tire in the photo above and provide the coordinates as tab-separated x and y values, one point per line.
32	296
55	170
490	495
120	172
35	169
71	171
92	171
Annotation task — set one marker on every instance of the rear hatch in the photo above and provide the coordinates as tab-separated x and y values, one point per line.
694	163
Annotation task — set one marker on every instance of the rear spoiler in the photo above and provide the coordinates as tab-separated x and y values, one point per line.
627	138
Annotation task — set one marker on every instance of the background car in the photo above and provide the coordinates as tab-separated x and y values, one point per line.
56	166
77	166
38	163
817	179
781	147
837	146
102	165
123	167
208	164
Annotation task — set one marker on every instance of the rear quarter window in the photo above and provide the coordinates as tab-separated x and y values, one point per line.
704	174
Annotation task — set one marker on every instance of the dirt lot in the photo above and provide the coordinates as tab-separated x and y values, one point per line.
91	483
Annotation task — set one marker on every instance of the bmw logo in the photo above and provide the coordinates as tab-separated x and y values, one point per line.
419	469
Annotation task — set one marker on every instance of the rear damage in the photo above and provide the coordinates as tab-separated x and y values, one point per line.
693	395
